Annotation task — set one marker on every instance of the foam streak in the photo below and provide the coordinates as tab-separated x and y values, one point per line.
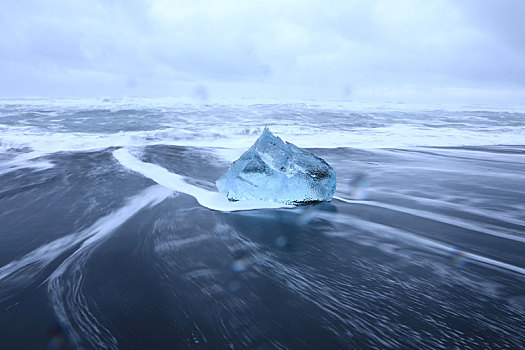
208	199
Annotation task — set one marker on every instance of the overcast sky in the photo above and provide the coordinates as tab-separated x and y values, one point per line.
401	50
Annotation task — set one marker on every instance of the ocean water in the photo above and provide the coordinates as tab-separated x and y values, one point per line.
112	234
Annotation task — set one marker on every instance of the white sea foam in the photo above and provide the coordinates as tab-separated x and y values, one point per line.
140	122
232	144
65	283
206	198
24	161
464	224
430	243
22	272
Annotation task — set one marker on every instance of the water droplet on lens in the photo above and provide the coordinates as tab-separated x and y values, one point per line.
239	265
234	286
281	241
458	257
358	186
306	216
56	337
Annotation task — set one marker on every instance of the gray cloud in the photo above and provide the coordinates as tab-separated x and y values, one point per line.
377	49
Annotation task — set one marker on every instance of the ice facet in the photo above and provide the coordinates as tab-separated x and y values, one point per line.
272	170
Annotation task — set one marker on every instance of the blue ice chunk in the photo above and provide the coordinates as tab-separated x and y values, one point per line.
277	171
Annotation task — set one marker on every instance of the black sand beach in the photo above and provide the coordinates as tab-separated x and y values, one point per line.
421	248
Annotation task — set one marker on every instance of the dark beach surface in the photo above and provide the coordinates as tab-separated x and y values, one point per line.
422	247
